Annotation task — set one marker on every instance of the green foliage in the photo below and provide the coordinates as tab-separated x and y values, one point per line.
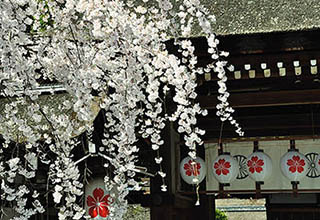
220	215
137	212
42	22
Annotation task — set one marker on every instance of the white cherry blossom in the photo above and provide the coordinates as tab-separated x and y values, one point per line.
107	56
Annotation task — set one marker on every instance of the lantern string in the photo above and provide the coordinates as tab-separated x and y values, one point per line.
220	135
220	149
198	196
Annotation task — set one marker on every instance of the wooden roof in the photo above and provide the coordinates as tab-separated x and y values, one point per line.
263	16
271	101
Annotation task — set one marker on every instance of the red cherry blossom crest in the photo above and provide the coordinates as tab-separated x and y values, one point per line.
222	167
296	164
98	203
192	169
255	164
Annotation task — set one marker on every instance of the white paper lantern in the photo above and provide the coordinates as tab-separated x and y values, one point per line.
294	165
259	166
317	163
225	168
98	200
189	171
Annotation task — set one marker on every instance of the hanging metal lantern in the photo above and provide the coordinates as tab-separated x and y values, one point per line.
259	166
225	168
294	165
98	200
190	170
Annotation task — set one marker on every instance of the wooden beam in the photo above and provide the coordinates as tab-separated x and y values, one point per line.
257	43
294	209
264	191
285	122
262	133
262	99
270	42
270	138
272	121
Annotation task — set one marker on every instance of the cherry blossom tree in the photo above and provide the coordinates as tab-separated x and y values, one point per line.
97	55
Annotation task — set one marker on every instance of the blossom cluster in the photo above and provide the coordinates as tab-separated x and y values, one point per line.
224	110
108	56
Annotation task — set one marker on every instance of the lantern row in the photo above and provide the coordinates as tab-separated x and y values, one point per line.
294	166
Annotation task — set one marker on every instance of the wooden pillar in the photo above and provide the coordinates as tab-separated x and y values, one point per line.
211	209
171	205
162	203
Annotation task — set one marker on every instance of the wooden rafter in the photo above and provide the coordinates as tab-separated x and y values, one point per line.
268	98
